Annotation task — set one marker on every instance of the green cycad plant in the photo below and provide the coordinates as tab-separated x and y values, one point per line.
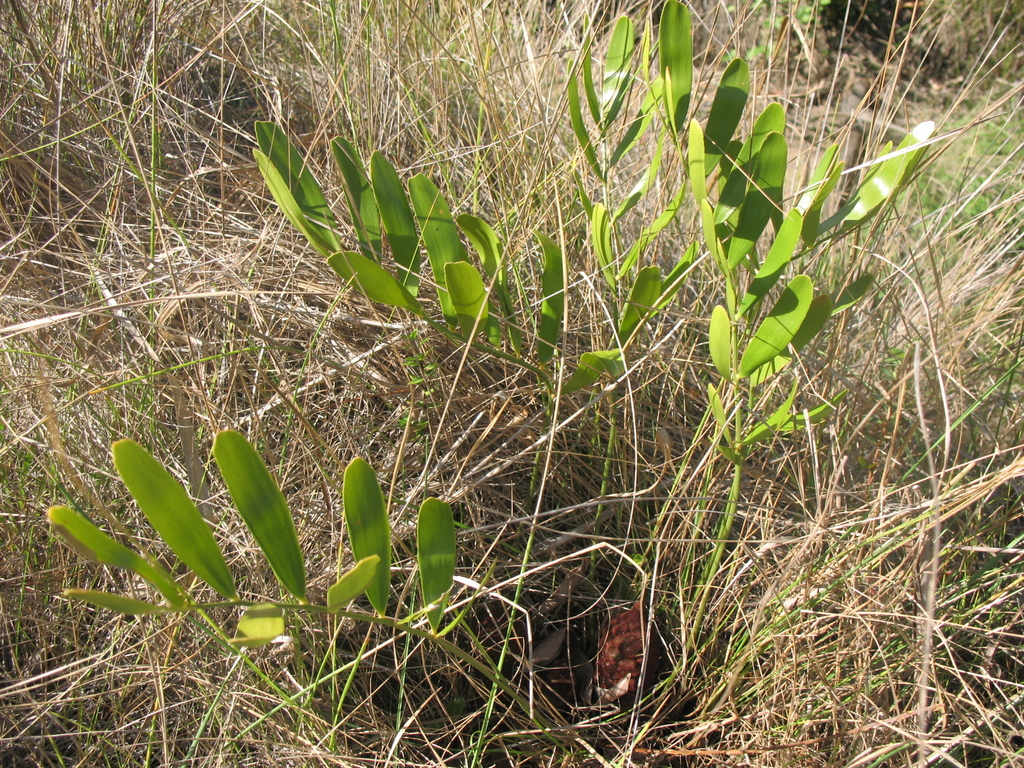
176	519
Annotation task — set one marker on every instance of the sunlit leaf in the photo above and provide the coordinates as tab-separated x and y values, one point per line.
779	256
94	545
468	295
263	508
576	120
618	71
352	583
726	111
777	330
359	195
440	236
259	625
720	341
675	61
552	306
296	191
435	554
763	202
375	282
369	530
397	217
601	237
171	511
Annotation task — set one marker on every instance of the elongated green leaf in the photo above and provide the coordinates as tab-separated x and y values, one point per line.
468	296
489	247
362	206
259	625
777	330
369	531
793	421
824	179
296	191
618	71
440	236
643	186
435	555
707	220
643	298
576	119
398	220
592	366
352	583
695	167
763	202
637	128
779	256
375	282
586	71
173	514
263	508
769	369
675	61
854	292
601	237
485	240
774	423
552	306
650	232
735	192
94	545
717	408
726	111
675	279
720	341
126	605
817	315
889	176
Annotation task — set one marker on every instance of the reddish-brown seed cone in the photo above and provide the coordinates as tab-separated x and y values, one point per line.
624	646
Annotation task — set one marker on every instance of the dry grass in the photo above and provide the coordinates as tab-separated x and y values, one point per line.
871	607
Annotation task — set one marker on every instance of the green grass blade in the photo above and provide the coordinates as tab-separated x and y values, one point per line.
435	554
173	514
468	296
777	330
552	304
94	545
359	195
259	625
369	531
296	191
263	508
726	111
399	224
375	282
675	61
352	583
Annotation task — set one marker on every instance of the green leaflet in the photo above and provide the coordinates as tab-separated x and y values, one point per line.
263	508
94	545
398	221
173	514
258	626
369	532
352	583
777	330
435	555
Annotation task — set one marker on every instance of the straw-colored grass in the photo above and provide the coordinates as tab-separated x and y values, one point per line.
869	608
